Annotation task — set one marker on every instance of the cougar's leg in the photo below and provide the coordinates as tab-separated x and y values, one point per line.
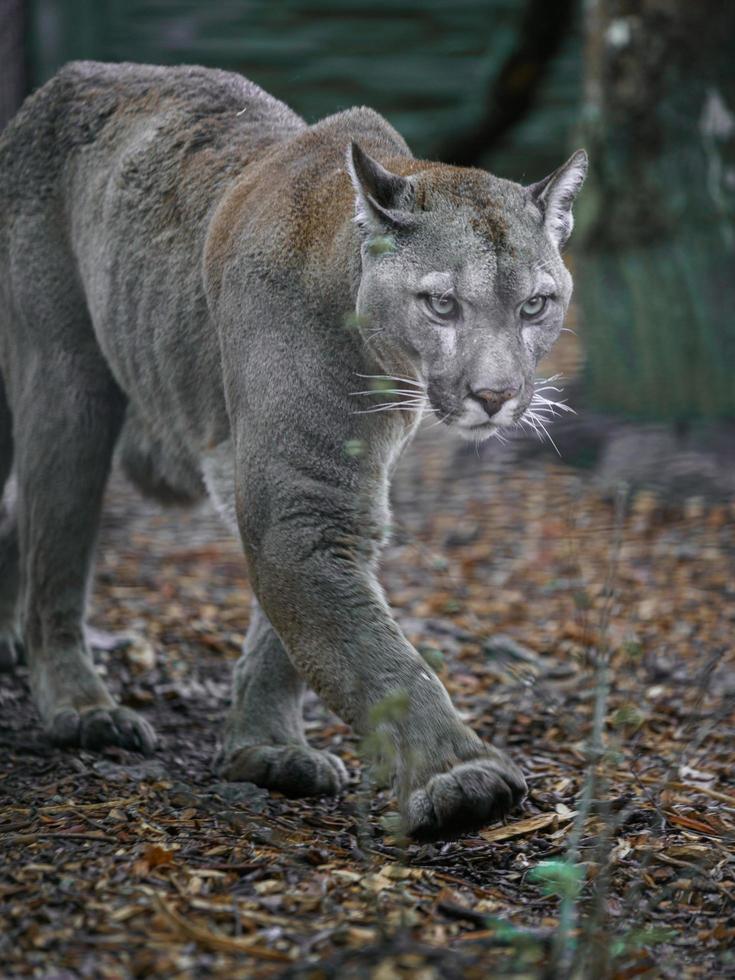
9	573
65	432
264	739
308	549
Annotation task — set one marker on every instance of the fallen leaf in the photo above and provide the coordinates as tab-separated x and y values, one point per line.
692	824
154	856
527	826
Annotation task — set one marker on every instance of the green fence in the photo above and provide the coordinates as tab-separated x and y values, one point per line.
427	65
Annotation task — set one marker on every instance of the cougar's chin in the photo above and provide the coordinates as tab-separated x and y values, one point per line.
472	425
478	432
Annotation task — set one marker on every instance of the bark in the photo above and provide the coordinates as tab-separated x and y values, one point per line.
656	229
514	88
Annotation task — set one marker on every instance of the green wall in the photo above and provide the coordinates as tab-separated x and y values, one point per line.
425	64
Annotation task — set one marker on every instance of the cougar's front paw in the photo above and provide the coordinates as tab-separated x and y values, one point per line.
465	798
294	770
96	728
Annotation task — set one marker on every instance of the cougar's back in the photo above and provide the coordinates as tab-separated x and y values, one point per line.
95	110
107	176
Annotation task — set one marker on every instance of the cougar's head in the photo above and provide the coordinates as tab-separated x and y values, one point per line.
462	278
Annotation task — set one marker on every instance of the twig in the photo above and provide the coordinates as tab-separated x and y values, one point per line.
61	835
60	807
216	940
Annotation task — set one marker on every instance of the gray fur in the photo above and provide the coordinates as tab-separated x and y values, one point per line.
178	259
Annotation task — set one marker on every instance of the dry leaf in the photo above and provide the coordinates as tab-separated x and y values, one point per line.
527	826
154	856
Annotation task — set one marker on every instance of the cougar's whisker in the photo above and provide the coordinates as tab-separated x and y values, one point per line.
538	423
548	436
388	391
391	377
416	408
542	407
539	401
404	401
531	423
376	411
546	388
440	420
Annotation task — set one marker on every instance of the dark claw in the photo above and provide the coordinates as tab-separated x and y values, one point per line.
97	728
294	770
468	797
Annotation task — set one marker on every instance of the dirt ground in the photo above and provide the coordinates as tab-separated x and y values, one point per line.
543	603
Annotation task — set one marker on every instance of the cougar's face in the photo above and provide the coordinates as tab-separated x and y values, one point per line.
473	321
467	285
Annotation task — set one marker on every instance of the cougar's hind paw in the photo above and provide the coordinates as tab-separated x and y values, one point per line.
97	728
467	797
294	770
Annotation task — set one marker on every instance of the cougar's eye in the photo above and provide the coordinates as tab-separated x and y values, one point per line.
444	306
533	306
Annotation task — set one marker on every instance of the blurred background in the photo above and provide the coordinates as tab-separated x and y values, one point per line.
648	86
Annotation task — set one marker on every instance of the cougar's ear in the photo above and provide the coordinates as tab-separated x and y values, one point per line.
555	196
382	199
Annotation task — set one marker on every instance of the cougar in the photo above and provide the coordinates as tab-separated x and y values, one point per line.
242	305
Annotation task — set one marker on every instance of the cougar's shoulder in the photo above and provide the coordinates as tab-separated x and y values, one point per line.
289	208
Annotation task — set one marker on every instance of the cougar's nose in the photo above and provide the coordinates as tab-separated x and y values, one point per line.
492	401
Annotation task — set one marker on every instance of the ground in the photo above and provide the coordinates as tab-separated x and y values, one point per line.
589	632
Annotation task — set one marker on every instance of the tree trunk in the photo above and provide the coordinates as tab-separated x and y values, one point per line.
655	266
